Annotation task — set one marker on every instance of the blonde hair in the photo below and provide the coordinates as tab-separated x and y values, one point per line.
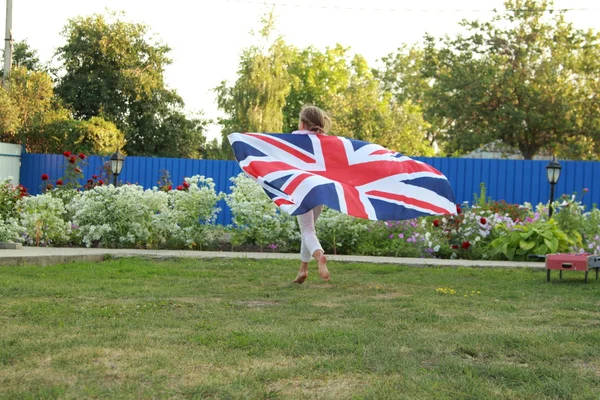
315	119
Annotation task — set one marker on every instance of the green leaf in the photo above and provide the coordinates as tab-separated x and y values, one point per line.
526	245
510	253
552	244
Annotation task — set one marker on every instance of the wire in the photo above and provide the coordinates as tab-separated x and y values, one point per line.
531	10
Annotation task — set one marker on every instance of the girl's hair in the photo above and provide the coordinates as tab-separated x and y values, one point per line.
316	120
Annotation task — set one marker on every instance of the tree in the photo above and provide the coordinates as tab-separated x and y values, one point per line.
32	94
113	69
255	101
527	78
275	80
25	56
347	88
95	136
9	117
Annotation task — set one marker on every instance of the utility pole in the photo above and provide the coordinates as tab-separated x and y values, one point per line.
8	41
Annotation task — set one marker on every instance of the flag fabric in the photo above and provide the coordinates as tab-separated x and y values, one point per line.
302	171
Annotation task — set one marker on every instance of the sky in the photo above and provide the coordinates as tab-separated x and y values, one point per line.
207	37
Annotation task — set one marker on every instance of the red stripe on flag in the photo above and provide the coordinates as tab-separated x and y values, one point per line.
409	200
383	151
279	202
262	168
284	147
289	189
354	206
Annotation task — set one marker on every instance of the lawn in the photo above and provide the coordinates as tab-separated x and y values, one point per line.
232	329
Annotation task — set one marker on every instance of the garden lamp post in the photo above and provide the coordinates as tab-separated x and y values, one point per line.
553	172
116	164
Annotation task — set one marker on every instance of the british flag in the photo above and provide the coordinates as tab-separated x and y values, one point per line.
302	171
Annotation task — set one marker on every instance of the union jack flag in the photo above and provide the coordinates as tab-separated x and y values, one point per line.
302	171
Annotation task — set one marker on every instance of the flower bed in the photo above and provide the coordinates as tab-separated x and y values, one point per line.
97	214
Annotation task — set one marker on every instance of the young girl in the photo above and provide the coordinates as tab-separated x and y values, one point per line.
313	121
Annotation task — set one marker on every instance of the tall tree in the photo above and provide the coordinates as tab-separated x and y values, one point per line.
255	101
527	78
25	56
346	87
114	69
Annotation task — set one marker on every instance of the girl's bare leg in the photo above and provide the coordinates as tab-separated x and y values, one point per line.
302	274
322	261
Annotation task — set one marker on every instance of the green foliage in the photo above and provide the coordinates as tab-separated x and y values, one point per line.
539	237
340	233
32	94
95	136
255	101
257	220
347	88
525	78
9	117
275	80
112	70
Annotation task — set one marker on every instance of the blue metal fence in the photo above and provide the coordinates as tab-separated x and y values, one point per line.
516	181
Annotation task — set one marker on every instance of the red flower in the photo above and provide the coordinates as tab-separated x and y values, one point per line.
483	221
436	223
59	182
45	177
78	170
90	181
67	154
466	245
82	156
170	187
458	209
186	185
100	182
49	186
72	159
180	187
454	246
94	176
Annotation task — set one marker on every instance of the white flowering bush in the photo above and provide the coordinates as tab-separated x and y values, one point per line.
10	231
116	216
339	232
43	220
189	220
257	220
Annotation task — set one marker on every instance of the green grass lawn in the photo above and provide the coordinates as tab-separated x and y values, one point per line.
226	329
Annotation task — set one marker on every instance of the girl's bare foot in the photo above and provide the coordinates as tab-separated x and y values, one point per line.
323	271
302	274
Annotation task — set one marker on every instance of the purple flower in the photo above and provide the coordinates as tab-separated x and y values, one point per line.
392	236
400	236
272	246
